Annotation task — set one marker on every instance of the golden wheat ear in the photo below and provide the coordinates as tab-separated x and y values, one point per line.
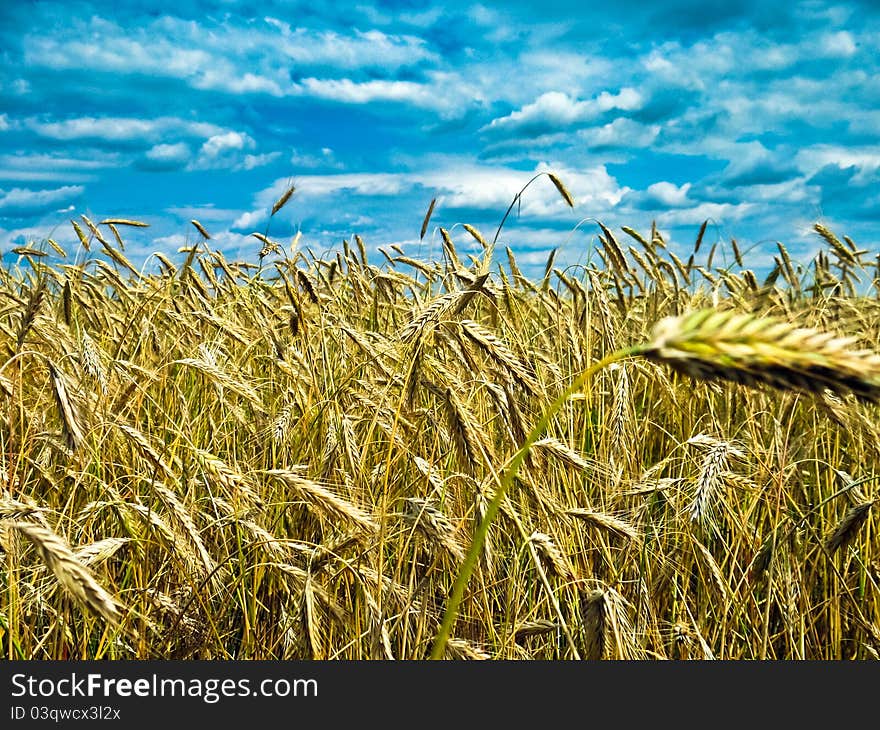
71	574
744	348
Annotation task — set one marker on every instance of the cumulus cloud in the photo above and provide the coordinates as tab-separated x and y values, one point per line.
492	188
866	160
224	151
166	156
668	195
166	141
220	144
622	133
252	162
722	213
24	202
556	109
250	220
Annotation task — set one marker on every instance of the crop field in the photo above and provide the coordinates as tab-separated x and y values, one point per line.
641	457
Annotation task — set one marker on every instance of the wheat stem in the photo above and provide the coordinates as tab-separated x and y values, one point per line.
494	506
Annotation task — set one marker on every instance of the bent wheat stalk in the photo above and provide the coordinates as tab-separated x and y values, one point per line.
491	513
708	345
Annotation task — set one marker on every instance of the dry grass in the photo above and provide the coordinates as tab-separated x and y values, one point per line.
291	459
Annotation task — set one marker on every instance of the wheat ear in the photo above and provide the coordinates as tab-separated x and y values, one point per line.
71	574
751	350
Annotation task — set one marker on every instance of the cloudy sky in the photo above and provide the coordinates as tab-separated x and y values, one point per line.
761	117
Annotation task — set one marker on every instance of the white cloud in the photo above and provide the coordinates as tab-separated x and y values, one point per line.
725	55
169	154
559	68
165	140
553	107
24	175
669	194
794	191
423	18
323	158
251	162
171	242
719	212
213	79
459	184
626	99
622	132
838	45
466	185
364	183
556	108
4	122
122	129
220	144
228	151
51	162
353	92
250	219
254	57
866	159
358	49
21	202
48	166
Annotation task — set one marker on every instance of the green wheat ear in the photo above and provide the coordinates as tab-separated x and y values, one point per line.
712	345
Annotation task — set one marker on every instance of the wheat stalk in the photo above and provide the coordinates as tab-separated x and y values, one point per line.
427	218
67	410
713	468
71	574
90	358
124	222
560	451
282	201
612	524
201	229
100	551
563	191
325	501
594	612
550	556
498	351
463	649
849	526
434	526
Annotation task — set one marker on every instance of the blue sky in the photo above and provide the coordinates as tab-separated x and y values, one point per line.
760	117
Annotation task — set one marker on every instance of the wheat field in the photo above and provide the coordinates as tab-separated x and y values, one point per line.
642	457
